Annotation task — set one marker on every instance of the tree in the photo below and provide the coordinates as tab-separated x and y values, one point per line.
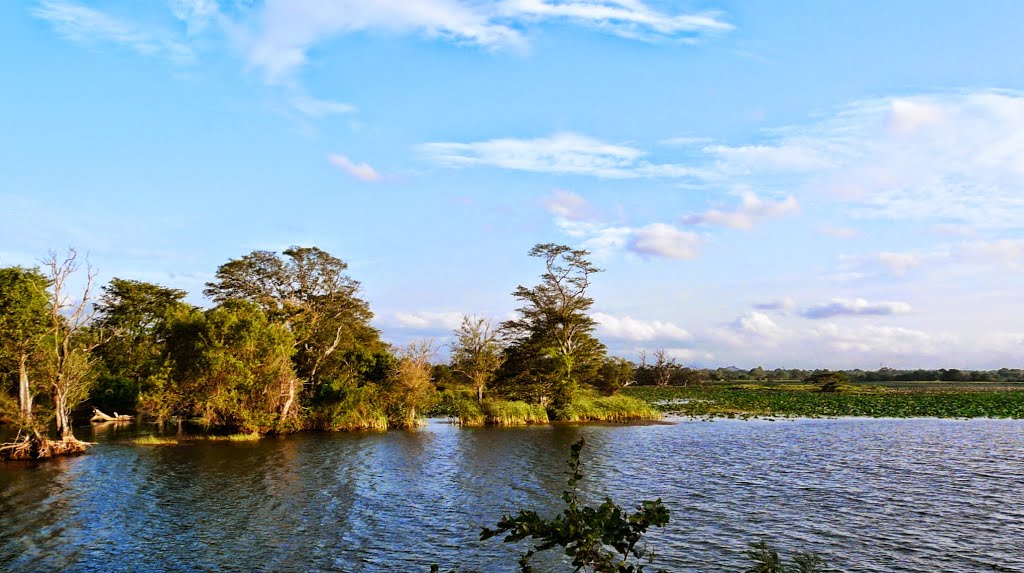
229	366
309	293
476	353
137	311
553	324
662	369
615	374
70	360
829	381
24	317
409	387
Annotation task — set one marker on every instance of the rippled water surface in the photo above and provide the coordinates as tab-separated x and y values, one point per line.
873	495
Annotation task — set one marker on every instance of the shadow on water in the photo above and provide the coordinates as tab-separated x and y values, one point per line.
877	495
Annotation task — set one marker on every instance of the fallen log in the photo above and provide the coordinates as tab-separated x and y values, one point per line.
98	416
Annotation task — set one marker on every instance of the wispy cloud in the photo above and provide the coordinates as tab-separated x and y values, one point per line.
89	26
562	153
855	307
317	108
785	303
285	30
361	171
751	209
664	240
569	206
953	158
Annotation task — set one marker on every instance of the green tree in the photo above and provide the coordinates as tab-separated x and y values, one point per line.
230	366
307	291
476	353
136	310
553	333
615	374
24	317
409	389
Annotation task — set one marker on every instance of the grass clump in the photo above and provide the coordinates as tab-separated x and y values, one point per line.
513	413
156	441
616	408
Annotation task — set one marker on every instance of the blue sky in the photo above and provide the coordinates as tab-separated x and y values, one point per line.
797	184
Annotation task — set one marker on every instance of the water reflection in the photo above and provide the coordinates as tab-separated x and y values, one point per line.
879	495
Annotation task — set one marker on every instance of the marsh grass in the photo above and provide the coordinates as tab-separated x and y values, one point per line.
513	413
617	408
194	439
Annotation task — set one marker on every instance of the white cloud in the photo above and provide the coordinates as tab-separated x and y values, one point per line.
628	328
855	307
663	240
287	29
569	206
751	209
361	171
90	26
562	153
428	320
758	324
314	107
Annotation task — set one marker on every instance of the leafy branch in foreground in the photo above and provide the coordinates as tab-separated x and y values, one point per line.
603	539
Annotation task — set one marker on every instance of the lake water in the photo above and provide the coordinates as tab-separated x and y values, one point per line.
872	495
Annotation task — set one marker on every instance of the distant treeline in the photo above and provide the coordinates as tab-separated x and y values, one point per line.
678	375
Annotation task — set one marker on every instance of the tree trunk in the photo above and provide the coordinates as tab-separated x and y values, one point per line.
480	394
63	417
24	396
286	409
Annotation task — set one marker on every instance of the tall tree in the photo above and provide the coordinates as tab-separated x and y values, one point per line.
24	305
476	353
309	293
553	323
71	340
136	310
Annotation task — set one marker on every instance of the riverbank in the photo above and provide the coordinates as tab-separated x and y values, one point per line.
798	400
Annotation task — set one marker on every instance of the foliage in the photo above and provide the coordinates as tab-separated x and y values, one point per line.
767	560
829	381
229	366
476	353
308	292
408	389
24	305
552	349
602	539
136	311
614	375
